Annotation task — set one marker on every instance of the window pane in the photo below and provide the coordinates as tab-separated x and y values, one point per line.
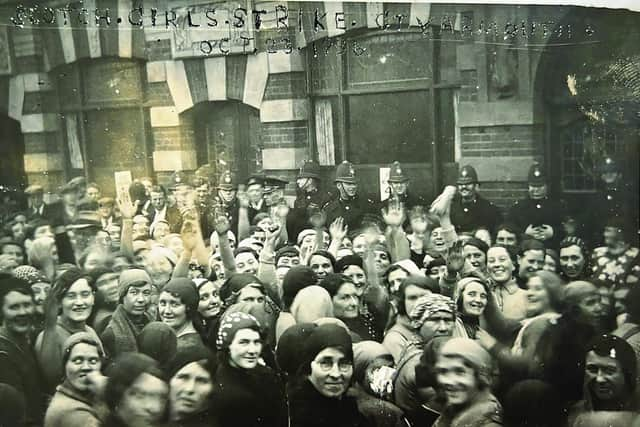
389	126
390	58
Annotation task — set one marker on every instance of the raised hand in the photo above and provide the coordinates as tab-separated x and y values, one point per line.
189	234
243	198
318	219
394	214
222	225
271	236
126	206
282	210
338	230
455	258
442	204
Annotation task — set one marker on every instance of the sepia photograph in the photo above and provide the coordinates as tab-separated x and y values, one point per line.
248	213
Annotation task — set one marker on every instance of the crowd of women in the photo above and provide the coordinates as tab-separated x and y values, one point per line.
129	313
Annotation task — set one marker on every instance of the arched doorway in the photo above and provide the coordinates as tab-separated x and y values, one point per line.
12	172
590	94
228	136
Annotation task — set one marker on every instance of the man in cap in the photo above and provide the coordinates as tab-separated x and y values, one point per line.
130	316
469	210
35	200
539	216
348	204
309	197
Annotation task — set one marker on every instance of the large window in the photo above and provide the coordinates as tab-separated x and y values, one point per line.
377	98
584	146
103	118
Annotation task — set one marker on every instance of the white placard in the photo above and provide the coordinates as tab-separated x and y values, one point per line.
123	182
384	183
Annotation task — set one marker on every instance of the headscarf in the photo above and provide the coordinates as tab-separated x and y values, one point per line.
473	353
288	354
323	337
158	340
30	274
297	278
232	323
311	303
427	305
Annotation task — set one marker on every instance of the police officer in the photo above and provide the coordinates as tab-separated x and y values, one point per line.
539	216
225	201
469	210
309	197
615	200
348	204
255	194
273	193
399	189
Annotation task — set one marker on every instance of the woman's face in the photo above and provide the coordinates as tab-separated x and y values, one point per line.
189	390
107	285
144	402
172	311
251	294
160	231
77	302
245	349
537	296
321	266
84	359
550	264
345	302
210	302
40	291
474	299
437	239
395	280
357	275
382	261
159	269
411	295
94	259
331	372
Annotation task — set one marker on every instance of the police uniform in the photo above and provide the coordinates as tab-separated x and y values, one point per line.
298	218
229	209
271	184
396	175
469	216
547	210
353	209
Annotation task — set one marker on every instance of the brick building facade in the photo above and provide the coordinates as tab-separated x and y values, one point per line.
433	86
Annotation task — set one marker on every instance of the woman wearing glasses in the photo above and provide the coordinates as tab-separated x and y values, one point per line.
246	393
317	397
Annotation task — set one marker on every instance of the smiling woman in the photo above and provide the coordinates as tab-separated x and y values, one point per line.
73	403
246	393
74	295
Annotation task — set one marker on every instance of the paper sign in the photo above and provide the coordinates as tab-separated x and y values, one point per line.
384	183
123	182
